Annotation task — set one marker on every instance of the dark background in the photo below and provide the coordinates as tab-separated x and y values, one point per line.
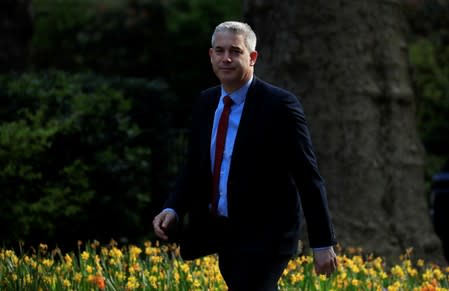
95	101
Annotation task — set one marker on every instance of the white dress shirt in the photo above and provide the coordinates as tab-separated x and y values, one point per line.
238	97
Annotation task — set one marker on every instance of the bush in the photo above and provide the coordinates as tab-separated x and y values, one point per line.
429	63
74	163
155	39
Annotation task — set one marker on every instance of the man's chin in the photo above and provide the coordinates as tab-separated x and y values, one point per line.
228	77
227	81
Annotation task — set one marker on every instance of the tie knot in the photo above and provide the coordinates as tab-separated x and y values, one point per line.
227	101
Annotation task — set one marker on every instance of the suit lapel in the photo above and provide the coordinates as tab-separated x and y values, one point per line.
246	124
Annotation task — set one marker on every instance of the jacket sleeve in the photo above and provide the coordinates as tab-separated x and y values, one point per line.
302	165
192	182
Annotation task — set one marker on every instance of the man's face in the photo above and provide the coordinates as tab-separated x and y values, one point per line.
231	60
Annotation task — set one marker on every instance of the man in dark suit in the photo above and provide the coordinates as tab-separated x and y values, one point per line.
250	167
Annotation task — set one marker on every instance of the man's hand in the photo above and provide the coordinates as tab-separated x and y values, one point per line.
163	222
325	261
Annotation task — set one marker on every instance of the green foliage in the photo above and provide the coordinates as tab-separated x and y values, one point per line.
429	60
153	39
125	36
71	166
102	36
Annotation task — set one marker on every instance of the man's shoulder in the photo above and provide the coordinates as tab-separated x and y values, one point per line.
208	97
212	91
269	89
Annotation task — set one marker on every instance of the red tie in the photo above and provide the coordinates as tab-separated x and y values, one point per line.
219	148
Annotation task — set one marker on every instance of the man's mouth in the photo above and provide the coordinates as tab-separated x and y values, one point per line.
226	69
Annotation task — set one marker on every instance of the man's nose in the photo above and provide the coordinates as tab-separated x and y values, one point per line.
227	57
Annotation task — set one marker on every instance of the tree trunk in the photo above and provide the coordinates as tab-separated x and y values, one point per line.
347	60
16	27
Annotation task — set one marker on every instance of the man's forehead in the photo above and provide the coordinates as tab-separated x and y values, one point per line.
228	39
223	45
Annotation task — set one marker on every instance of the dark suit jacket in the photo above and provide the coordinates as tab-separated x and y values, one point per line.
273	172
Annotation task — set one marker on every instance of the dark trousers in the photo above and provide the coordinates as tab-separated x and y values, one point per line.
251	272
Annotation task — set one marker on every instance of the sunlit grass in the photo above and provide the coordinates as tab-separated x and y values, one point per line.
155	267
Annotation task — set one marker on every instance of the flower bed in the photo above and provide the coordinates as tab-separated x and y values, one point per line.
159	267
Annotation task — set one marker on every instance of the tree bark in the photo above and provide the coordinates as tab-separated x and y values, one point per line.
347	60
16	29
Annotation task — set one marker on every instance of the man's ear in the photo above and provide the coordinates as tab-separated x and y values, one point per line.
210	52
253	57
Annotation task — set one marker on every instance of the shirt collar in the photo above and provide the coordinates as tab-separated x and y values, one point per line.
238	96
